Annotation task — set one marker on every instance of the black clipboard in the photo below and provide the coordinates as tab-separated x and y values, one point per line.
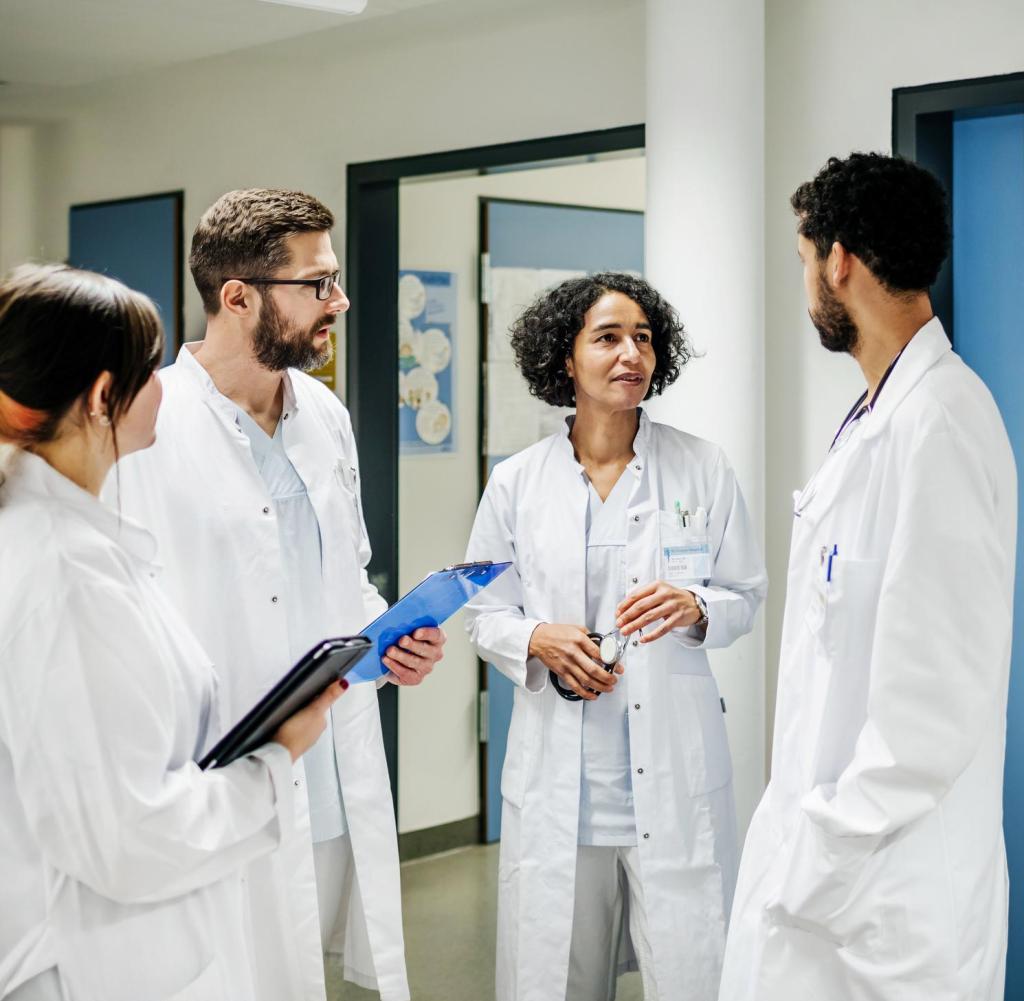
325	663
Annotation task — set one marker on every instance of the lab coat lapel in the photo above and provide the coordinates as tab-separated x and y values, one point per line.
566	533
929	345
926	348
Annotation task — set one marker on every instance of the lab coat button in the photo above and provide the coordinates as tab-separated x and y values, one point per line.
636	580
298	782
646	836
637	467
266	510
273	598
639	771
636	642
636	517
636	705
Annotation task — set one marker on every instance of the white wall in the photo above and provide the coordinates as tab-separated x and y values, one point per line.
438	753
830	72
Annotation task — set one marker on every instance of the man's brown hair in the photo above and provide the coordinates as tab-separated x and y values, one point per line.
243	233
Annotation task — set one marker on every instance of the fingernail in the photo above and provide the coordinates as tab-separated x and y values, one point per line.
344	684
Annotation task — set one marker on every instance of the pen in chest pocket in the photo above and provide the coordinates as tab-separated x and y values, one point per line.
828	558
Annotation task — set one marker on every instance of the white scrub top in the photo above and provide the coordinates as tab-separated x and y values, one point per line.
606	790
304	607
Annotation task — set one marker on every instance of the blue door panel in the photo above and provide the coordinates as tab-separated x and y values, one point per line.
988	311
569	238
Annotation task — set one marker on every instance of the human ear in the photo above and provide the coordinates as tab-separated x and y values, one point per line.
97	399
237	298
839	263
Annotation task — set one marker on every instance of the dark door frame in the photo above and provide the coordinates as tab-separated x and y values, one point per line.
371	343
922	130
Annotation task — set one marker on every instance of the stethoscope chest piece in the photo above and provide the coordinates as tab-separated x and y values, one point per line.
611	647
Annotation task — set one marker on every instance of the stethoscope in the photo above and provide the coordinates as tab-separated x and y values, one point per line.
611	647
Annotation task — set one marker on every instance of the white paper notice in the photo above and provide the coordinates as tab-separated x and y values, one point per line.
515	419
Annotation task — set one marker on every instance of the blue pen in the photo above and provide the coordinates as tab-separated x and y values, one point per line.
831	556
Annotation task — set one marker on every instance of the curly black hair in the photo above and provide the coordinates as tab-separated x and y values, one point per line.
889	212
543	337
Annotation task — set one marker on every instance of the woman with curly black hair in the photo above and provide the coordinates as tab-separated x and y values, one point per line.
632	555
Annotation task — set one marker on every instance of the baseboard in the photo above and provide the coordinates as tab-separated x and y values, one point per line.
443	838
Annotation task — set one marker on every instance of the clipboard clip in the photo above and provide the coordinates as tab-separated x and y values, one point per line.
467	566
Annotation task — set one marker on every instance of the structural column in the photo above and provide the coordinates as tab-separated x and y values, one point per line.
705	253
17	190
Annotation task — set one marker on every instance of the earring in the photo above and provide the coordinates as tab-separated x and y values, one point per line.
103	418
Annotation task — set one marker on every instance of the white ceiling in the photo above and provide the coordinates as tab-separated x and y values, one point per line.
64	43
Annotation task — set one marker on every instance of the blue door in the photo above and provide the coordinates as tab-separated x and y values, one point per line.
988	311
551	237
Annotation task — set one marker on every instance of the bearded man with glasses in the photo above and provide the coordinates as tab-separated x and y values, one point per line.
253	492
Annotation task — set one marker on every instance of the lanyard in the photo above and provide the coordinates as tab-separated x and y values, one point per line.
859	409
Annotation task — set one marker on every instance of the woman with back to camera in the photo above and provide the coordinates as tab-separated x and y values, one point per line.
117	854
633	554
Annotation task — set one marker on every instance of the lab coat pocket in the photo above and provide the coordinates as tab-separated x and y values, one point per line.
700	730
208	986
684	554
153	951
523	738
846	638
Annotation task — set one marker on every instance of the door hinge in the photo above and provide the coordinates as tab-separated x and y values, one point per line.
485	278
482	718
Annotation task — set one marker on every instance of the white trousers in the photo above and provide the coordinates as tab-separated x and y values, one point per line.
606	878
334	867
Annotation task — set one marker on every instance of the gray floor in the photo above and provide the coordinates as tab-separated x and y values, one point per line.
449	903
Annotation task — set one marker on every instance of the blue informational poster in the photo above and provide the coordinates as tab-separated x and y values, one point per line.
426	362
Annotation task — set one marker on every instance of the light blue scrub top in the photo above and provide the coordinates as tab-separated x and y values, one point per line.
301	555
606	786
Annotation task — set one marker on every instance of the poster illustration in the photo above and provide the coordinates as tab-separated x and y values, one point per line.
426	357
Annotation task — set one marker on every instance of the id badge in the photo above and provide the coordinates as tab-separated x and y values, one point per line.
685	555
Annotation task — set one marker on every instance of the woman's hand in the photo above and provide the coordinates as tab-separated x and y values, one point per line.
574	657
656	601
300	732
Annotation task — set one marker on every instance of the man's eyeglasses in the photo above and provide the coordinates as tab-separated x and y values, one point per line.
324	286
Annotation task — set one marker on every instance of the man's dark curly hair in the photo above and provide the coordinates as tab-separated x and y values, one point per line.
543	337
889	212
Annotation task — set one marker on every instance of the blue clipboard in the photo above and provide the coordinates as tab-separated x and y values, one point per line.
429	603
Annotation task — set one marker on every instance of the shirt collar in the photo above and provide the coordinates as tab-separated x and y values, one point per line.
641	443
27	476
187	360
927	347
922	351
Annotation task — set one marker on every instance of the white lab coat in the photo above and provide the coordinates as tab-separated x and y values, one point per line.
874	867
199	491
119	858
533	513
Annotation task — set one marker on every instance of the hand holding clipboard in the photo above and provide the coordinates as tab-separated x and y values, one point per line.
354	658
430	603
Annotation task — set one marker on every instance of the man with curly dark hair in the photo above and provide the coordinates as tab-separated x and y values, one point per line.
633	555
875	865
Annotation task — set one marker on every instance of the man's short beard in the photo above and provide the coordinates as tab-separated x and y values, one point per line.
834	324
278	347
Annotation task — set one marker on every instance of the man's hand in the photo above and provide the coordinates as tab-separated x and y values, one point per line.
413	657
656	601
574	657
